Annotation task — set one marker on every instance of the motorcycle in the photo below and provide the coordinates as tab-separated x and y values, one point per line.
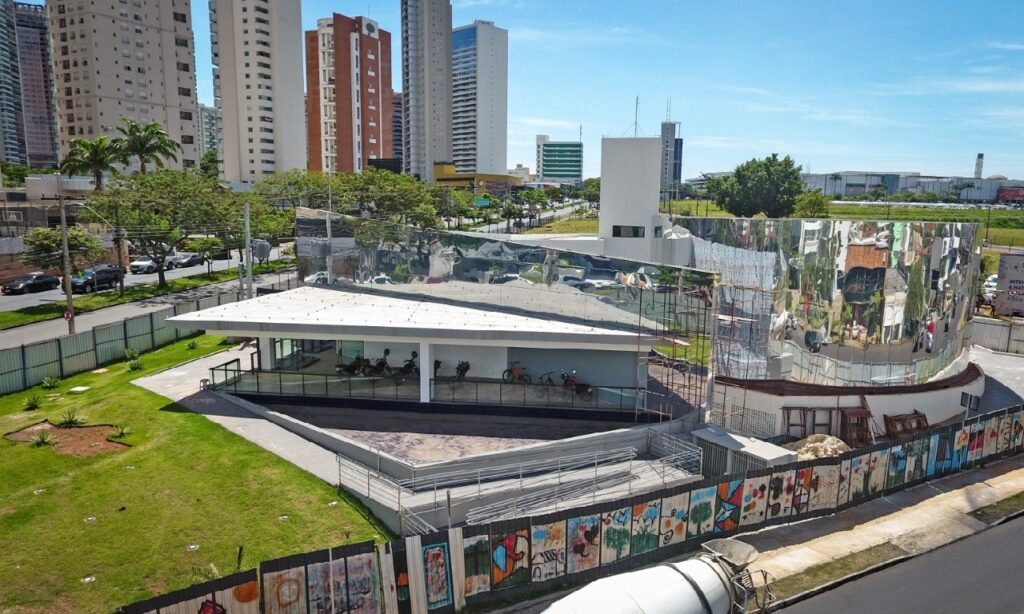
380	367
353	368
460	373
408	369
580	389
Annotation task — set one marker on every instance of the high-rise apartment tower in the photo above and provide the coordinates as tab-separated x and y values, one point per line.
257	83
427	83
348	73
119	59
480	98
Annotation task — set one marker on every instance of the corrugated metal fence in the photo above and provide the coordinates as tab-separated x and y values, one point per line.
25	366
999	335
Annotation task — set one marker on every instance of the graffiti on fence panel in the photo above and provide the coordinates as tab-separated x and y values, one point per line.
1005	433
755	500
510	560
584	543
897	470
1018	431
616	533
702	511
802	490
400	563
646	517
977	442
318	588
843	491
991	437
547	549
878	467
860	476
961	447
284	592
477	552
339	582
674	513
940	454
780	494
824	487
437	575
241	598
363	584
728	504
917	459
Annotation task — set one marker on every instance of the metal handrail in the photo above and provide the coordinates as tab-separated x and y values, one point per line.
570	462
479	391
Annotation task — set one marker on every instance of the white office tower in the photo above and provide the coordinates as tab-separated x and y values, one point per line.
258	86
124	59
480	98
427	85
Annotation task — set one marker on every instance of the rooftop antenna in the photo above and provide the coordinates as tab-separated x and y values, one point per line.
636	117
668	110
581	133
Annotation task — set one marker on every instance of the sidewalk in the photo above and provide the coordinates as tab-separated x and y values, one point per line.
917	520
50	329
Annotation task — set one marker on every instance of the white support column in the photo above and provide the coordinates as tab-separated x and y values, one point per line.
266	353
426	371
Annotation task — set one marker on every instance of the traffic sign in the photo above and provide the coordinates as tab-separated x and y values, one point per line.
68	316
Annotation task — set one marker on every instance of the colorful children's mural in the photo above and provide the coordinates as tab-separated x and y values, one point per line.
547	545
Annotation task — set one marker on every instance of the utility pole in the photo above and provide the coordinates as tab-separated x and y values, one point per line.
248	253
330	272
69	315
119	247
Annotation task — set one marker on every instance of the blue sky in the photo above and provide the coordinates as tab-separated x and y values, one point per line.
868	85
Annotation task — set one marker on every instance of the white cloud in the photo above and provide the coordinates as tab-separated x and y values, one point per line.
923	86
1004	46
761	100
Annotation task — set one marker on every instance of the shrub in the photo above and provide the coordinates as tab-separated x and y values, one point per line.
49	383
33	402
135	365
193	344
130	354
120	431
41	439
70	419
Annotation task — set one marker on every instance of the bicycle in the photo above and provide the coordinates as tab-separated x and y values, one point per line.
516	374
545	384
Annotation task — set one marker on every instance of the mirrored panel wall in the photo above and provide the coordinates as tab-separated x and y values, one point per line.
672	304
835	302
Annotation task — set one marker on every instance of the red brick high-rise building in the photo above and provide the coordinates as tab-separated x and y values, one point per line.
349	96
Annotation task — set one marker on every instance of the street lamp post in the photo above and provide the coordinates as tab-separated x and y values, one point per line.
69	315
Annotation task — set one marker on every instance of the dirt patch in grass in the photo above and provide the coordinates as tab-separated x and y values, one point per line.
1000	509
77	441
818	575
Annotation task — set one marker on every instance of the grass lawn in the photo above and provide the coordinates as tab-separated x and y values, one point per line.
91	302
697	352
567	226
192	482
1000	509
814	577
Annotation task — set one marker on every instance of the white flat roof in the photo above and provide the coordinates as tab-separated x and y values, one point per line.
758	448
319	313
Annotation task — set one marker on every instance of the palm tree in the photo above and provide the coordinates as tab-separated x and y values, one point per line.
147	142
92	157
836	178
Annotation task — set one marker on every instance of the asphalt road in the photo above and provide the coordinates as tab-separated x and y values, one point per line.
981	574
18	301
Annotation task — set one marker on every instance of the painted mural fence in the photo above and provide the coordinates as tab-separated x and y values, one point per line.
475	565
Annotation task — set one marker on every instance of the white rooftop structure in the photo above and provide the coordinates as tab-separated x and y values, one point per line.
320	313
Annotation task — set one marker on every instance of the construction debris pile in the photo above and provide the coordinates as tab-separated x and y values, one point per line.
817	446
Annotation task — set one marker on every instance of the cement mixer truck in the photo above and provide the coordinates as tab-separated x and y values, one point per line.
716	581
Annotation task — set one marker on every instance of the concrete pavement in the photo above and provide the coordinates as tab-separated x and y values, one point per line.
50	329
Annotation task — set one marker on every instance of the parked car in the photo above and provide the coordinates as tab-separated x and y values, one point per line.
814	340
188	260
95	279
111	265
146	264
33	282
504	278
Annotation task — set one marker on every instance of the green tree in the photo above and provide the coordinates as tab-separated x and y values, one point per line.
147	142
207	247
555	195
209	164
92	157
769	186
162	210
44	249
13	175
812	205
591	191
